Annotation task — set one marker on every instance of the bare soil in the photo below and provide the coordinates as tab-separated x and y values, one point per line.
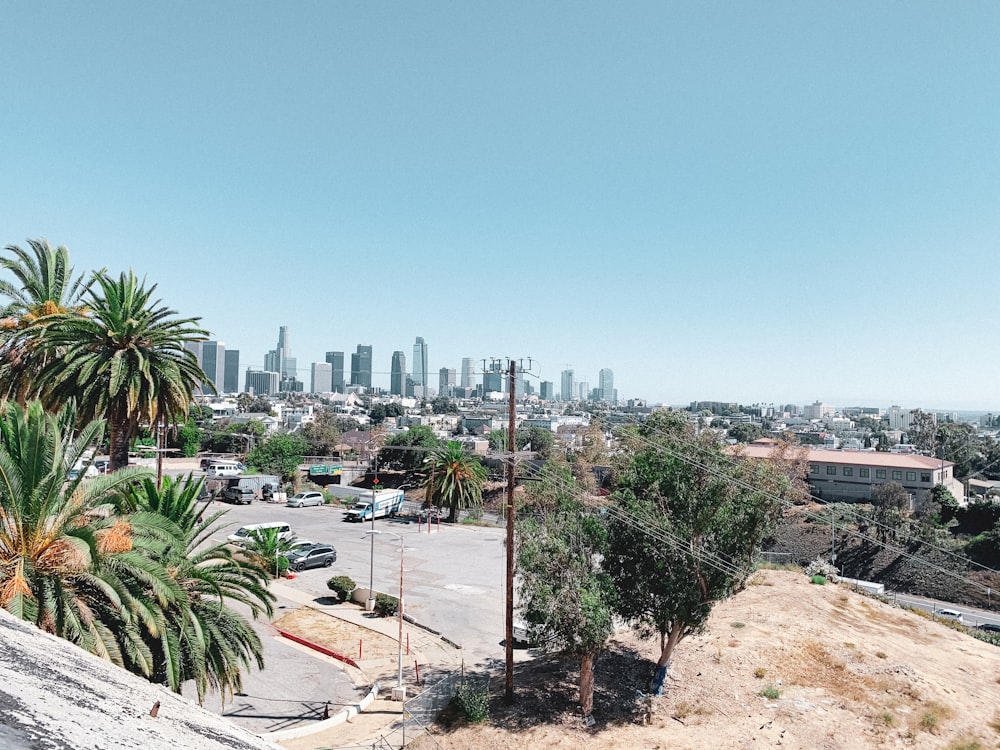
344	637
784	663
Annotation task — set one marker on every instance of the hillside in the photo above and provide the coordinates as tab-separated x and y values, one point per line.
850	673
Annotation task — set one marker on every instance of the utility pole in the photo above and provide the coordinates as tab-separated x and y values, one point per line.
508	693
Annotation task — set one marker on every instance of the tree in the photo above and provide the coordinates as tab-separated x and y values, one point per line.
922	431
408	450
537	439
65	557
124	360
46	287
745	432
890	506
455	479
444	405
203	640
266	547
565	596
190	438
687	524
322	434
279	454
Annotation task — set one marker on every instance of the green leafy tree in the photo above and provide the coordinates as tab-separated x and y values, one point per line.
687	524
45	288
279	454
66	559
203	639
189	437
745	432
444	405
890	506
455	479
408	450
922	431
322	434
124	360
565	596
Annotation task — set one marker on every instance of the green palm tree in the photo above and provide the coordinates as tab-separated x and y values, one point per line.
455	479
124	360
266	547
203	640
65	556
45	287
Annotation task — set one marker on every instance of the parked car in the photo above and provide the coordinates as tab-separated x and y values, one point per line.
989	627
950	614
316	556
302	499
102	465
238	495
245	533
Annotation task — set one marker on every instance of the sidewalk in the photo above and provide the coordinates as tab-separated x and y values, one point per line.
381	717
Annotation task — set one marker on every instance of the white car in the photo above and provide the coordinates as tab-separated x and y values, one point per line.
950	614
302	499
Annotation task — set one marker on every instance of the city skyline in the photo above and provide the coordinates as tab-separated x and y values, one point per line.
744	203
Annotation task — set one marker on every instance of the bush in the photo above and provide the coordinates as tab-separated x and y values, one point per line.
771	692
342	586
473	702
385	605
821	567
818	580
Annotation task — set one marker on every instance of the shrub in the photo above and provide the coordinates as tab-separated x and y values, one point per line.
342	586
473	702
818	580
385	605
821	567
771	692
759	673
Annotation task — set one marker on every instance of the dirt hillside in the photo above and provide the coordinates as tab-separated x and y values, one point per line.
783	664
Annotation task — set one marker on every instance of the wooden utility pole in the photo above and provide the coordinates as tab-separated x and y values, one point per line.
509	612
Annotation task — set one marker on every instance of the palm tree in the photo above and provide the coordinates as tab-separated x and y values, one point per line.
203	640
46	288
456	479
65	556
124	360
267	547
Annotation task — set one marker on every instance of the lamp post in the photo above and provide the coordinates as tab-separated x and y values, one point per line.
399	693
370	603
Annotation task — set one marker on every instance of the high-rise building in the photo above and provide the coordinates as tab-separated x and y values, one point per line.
583	390
213	362
567	390
606	385
548	390
397	375
468	372
336	360
420	364
281	361
261	382
446	381
322	377
231	372
493	378
361	367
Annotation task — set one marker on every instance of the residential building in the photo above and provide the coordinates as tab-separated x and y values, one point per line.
361	367
397	375
336	360
322	377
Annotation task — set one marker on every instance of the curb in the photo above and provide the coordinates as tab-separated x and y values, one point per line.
317	647
348	713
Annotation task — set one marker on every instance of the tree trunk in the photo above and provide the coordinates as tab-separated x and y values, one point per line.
119	435
587	684
663	663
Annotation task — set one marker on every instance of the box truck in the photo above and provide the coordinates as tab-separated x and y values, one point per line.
385	503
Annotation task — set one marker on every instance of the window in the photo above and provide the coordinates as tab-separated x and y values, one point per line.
897	475
925	477
880	473
831	469
911	476
848	471
813	469
865	473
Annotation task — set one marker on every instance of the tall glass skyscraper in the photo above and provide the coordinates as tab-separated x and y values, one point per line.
336	360
420	364
397	376
361	367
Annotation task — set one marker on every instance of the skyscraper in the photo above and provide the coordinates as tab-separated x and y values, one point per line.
606	385
361	367
446	381
567	386
336	360
468	372
231	373
281	361
420	364
261	382
213	362
493	378
397	376
548	390
322	377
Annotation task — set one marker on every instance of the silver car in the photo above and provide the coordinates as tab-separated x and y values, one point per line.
316	556
302	499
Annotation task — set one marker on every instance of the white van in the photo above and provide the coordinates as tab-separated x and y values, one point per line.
225	469
245	533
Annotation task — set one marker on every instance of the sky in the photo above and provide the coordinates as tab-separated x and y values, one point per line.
752	202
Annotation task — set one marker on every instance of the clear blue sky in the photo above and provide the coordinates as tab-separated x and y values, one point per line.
730	201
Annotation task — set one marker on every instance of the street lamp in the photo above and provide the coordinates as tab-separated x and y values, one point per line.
370	603
399	693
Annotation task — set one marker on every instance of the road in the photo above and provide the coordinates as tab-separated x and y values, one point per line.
971	615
